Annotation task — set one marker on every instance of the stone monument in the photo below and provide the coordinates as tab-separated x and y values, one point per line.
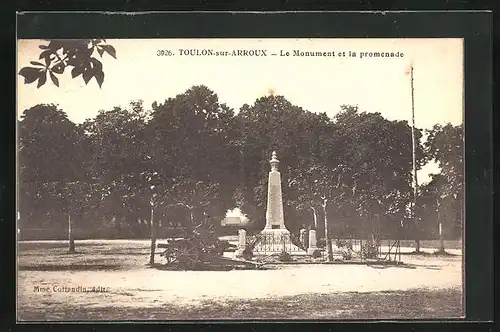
275	221
275	236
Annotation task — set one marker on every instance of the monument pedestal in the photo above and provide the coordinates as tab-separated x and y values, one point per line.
277	231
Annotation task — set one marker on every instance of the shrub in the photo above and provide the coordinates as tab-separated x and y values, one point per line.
284	256
345	248
296	241
251	243
343	244
316	253
346	254
369	249
247	253
321	243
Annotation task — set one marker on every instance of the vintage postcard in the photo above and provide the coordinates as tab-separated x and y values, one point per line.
247	179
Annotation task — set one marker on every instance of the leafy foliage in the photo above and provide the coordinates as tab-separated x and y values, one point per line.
53	180
345	248
79	56
445	144
273	123
369	249
193	140
247	253
316	254
442	199
378	166
295	239
284	256
251	242
191	158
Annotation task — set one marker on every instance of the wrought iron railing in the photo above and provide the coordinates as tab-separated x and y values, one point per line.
276	242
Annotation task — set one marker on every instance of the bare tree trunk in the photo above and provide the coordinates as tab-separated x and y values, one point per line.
328	242
440	225
441	239
153	239
70	235
315	218
417	229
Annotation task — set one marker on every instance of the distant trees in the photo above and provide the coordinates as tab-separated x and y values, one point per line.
442	199
353	170
191	159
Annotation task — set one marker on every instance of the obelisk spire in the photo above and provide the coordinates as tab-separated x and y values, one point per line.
274	162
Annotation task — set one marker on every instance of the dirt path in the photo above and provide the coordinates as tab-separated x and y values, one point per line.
147	287
124	283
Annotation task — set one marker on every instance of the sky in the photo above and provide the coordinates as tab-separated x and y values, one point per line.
318	84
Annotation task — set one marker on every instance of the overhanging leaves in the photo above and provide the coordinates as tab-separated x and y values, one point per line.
54	79
30	74
42	79
77	54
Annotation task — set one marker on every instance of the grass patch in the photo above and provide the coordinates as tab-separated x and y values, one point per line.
416	304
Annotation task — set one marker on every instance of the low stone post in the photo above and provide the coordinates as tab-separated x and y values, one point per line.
242	242
312	242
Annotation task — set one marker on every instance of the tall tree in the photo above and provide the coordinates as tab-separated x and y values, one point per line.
445	144
51	162
273	123
195	142
120	163
377	156
433	208
47	144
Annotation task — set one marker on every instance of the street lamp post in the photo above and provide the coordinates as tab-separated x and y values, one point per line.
414	162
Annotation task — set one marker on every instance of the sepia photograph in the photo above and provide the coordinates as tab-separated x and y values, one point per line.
240	179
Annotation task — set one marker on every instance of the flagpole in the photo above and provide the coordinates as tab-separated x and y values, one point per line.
414	162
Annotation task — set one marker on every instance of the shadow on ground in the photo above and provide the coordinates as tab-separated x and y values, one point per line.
202	267
429	254
74	267
405	266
